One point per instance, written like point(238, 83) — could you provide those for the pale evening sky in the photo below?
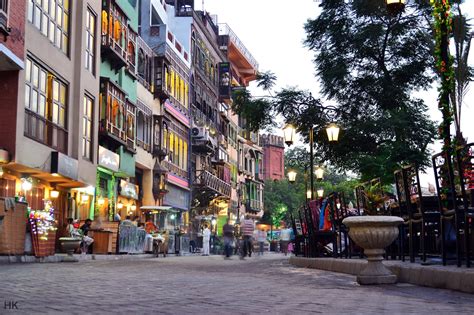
point(273, 32)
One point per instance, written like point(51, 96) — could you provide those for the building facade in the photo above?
point(273, 157)
point(53, 122)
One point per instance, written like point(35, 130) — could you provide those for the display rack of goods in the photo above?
point(43, 230)
point(12, 226)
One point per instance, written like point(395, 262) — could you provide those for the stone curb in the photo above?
point(57, 258)
point(441, 277)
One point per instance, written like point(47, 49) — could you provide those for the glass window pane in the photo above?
point(34, 100)
point(65, 22)
point(89, 110)
point(57, 40)
point(62, 94)
point(66, 4)
point(84, 126)
point(28, 70)
point(86, 61)
point(53, 9)
point(27, 96)
point(55, 113)
point(42, 81)
point(65, 43)
point(45, 5)
point(88, 129)
point(55, 90)
point(51, 31)
point(91, 62)
point(44, 25)
point(30, 10)
point(62, 117)
point(42, 105)
point(35, 75)
point(38, 17)
point(92, 23)
point(59, 16)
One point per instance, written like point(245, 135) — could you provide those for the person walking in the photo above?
point(247, 233)
point(206, 239)
point(261, 238)
point(285, 236)
point(228, 231)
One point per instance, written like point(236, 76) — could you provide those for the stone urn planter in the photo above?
point(70, 245)
point(374, 234)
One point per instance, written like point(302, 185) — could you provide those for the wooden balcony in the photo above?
point(253, 205)
point(175, 169)
point(207, 181)
point(46, 132)
point(112, 49)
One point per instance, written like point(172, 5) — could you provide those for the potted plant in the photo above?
point(374, 233)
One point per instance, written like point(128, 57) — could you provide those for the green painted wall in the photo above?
point(130, 7)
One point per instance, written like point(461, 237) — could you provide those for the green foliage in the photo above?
point(369, 63)
point(281, 195)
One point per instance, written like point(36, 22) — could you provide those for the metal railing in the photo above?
point(224, 29)
point(207, 179)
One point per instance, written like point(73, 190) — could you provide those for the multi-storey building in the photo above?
point(273, 157)
point(116, 185)
point(50, 119)
point(241, 69)
point(165, 26)
point(210, 159)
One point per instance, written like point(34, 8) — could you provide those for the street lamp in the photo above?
point(289, 133)
point(119, 205)
point(291, 176)
point(332, 131)
point(395, 6)
point(308, 194)
point(320, 192)
point(319, 172)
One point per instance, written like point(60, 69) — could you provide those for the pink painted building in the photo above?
point(273, 157)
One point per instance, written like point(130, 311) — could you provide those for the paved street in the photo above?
point(199, 285)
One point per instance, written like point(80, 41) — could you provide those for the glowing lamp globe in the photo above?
point(332, 131)
point(320, 192)
point(319, 172)
point(54, 194)
point(119, 205)
point(292, 176)
point(308, 194)
point(289, 133)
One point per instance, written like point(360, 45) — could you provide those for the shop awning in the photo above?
point(162, 208)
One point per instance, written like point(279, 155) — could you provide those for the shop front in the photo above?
point(43, 200)
point(177, 217)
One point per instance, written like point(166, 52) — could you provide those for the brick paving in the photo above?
point(210, 285)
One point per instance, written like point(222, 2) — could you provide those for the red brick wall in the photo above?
point(16, 21)
point(273, 163)
point(8, 109)
point(9, 79)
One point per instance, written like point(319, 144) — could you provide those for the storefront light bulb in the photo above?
point(133, 207)
point(85, 198)
point(213, 221)
point(173, 216)
point(100, 201)
point(119, 205)
point(1, 171)
point(26, 185)
point(54, 194)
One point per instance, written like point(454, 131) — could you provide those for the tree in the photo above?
point(463, 73)
point(369, 63)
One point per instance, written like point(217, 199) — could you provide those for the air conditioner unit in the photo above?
point(199, 132)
